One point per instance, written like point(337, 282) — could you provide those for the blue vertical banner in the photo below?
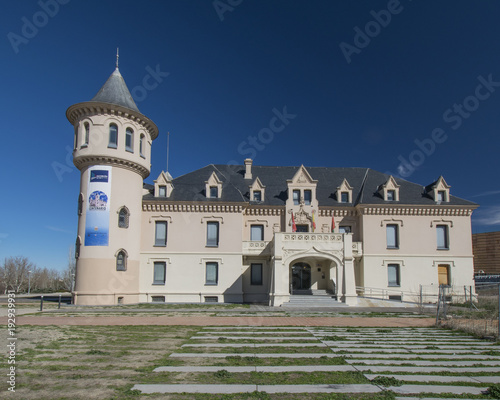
point(99, 195)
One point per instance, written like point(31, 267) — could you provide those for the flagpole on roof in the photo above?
point(168, 146)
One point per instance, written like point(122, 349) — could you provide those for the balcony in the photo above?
point(257, 248)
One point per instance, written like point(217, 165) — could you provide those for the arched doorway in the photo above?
point(301, 276)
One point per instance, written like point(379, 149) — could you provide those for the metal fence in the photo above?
point(477, 313)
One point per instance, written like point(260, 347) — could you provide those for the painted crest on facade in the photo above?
point(98, 201)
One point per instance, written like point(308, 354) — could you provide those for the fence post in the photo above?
point(421, 299)
point(470, 297)
point(438, 303)
point(41, 303)
point(59, 305)
point(465, 294)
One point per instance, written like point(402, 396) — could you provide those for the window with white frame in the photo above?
point(212, 234)
point(257, 232)
point(394, 277)
point(159, 272)
point(129, 140)
point(392, 236)
point(211, 273)
point(161, 233)
point(442, 237)
point(113, 136)
point(256, 274)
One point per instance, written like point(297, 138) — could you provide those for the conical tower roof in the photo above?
point(115, 91)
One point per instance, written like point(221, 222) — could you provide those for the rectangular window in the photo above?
point(160, 233)
point(296, 197)
point(392, 236)
point(344, 197)
point(441, 195)
point(393, 274)
point(87, 134)
point(442, 237)
point(162, 191)
point(212, 273)
point(307, 197)
point(257, 232)
point(391, 195)
point(256, 274)
point(257, 195)
point(302, 228)
point(212, 234)
point(214, 192)
point(345, 229)
point(160, 269)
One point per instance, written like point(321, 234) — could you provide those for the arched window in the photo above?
point(121, 260)
point(87, 133)
point(76, 138)
point(113, 136)
point(80, 204)
point(123, 215)
point(141, 145)
point(129, 140)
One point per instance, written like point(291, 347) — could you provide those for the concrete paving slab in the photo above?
point(263, 328)
point(424, 370)
point(267, 332)
point(254, 337)
point(430, 362)
point(258, 355)
point(180, 388)
point(426, 378)
point(319, 388)
point(410, 389)
point(407, 351)
point(273, 369)
point(488, 379)
point(424, 356)
point(407, 345)
point(254, 345)
point(430, 398)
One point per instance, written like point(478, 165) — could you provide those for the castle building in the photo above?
point(248, 233)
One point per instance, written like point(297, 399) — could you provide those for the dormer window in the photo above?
point(113, 136)
point(307, 197)
point(344, 197)
point(213, 187)
point(439, 190)
point(389, 190)
point(441, 195)
point(162, 191)
point(344, 192)
point(391, 195)
point(257, 195)
point(214, 192)
point(257, 190)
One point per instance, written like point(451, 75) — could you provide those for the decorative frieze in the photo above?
point(418, 211)
point(193, 208)
point(264, 211)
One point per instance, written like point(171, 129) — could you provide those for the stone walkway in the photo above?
point(418, 360)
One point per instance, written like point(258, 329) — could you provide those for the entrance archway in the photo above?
point(301, 276)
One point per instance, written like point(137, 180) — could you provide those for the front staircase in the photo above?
point(312, 299)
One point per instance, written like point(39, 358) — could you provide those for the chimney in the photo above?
point(248, 168)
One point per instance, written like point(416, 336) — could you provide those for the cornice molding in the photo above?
point(85, 161)
point(418, 211)
point(179, 207)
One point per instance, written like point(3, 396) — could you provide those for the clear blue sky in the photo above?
point(430, 72)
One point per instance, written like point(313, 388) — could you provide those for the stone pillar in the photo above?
point(349, 283)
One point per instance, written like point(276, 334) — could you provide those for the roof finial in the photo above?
point(117, 56)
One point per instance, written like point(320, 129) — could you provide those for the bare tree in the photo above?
point(15, 273)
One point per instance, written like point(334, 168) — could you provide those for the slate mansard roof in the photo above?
point(365, 182)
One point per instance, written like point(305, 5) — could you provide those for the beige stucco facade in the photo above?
point(258, 236)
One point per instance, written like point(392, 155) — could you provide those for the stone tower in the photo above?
point(112, 150)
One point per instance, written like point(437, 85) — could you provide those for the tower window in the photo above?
point(129, 140)
point(80, 204)
point(123, 217)
point(121, 261)
point(141, 145)
point(76, 139)
point(113, 136)
point(87, 133)
point(78, 245)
